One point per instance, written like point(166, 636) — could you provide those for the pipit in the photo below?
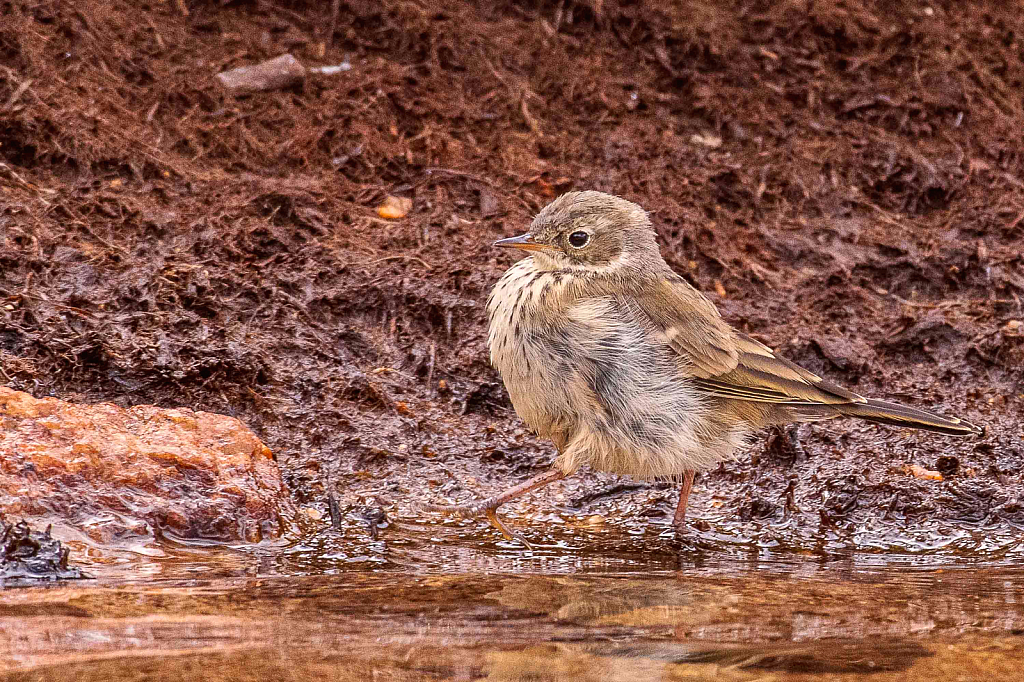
point(627, 368)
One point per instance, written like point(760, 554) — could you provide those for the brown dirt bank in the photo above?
point(846, 181)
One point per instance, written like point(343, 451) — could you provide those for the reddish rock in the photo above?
point(113, 472)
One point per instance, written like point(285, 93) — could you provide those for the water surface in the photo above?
point(450, 602)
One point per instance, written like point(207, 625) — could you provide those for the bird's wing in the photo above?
point(727, 363)
point(688, 322)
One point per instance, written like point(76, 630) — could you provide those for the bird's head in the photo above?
point(592, 232)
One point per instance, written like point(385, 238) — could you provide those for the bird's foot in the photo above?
point(471, 510)
point(489, 506)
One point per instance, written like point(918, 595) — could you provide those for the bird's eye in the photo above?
point(579, 239)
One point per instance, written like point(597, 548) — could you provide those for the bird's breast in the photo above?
point(523, 307)
point(516, 309)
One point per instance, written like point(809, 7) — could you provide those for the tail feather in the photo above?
point(883, 412)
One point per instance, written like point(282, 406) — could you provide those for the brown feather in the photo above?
point(884, 412)
point(691, 325)
point(727, 363)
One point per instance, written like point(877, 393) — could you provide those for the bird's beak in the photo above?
point(524, 242)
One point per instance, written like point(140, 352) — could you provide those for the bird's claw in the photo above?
point(473, 510)
point(492, 516)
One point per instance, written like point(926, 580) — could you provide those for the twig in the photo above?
point(78, 311)
point(295, 16)
point(25, 183)
point(335, 510)
point(461, 174)
point(1016, 221)
point(559, 15)
point(430, 370)
point(531, 122)
point(113, 247)
point(16, 95)
point(883, 213)
point(333, 23)
point(913, 304)
point(950, 303)
point(156, 34)
point(424, 263)
point(610, 491)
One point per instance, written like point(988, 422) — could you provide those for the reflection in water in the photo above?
point(734, 625)
point(656, 661)
point(581, 600)
point(833, 656)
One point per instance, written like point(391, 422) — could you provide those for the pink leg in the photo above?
point(684, 495)
point(489, 506)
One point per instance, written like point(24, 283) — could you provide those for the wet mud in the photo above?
point(843, 180)
point(28, 554)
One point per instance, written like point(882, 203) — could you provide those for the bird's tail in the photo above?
point(883, 412)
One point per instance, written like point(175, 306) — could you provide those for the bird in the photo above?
point(627, 368)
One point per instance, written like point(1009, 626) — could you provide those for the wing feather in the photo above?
point(727, 363)
point(688, 322)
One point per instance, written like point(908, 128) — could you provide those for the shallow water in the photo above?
point(451, 602)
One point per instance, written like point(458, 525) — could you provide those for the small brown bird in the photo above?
point(627, 368)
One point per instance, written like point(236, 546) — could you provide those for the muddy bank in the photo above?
point(845, 182)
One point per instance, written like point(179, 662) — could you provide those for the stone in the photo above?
point(273, 74)
point(113, 473)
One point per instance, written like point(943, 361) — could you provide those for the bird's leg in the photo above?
point(684, 495)
point(490, 505)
